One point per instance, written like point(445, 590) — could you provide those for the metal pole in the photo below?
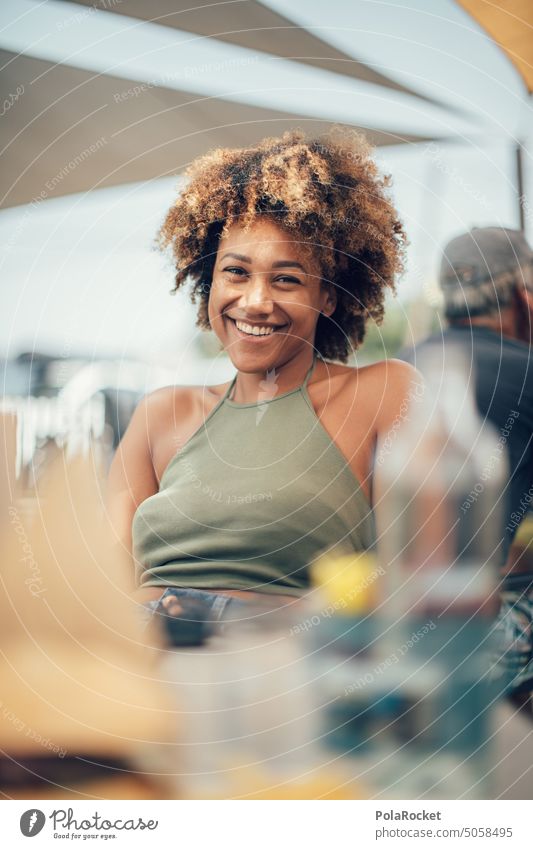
point(520, 185)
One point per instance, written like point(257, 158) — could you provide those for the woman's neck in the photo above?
point(252, 387)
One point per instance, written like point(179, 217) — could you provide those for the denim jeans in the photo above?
point(216, 603)
point(514, 633)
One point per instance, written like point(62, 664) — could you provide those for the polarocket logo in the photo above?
point(32, 822)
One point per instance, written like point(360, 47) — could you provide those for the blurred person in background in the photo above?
point(229, 492)
point(486, 278)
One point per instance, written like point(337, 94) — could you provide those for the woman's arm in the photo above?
point(402, 387)
point(161, 423)
point(131, 478)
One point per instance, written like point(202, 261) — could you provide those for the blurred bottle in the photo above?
point(439, 510)
point(373, 703)
point(399, 637)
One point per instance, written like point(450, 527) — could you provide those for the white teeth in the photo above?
point(254, 330)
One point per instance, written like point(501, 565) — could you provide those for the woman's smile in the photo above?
point(254, 331)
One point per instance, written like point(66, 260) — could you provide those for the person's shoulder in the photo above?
point(167, 396)
point(503, 359)
point(389, 375)
point(518, 350)
point(177, 403)
point(157, 405)
point(391, 369)
point(390, 387)
point(156, 409)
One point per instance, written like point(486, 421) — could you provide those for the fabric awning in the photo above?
point(75, 131)
point(510, 24)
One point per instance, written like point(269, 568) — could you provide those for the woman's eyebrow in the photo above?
point(280, 263)
point(287, 263)
point(240, 257)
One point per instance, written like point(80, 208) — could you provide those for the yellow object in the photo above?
point(349, 582)
point(524, 534)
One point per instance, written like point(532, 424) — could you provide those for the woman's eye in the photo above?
point(287, 279)
point(235, 271)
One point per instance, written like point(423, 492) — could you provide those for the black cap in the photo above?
point(480, 269)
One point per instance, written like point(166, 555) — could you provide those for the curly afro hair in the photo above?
point(326, 192)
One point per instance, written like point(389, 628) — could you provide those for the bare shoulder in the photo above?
point(390, 375)
point(170, 395)
point(393, 374)
point(388, 388)
point(166, 398)
point(396, 385)
point(175, 403)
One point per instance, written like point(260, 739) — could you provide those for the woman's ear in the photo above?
point(330, 302)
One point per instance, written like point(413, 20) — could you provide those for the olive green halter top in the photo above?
point(254, 496)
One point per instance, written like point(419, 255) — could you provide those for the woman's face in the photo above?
point(266, 297)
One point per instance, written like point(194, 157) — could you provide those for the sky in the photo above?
point(80, 273)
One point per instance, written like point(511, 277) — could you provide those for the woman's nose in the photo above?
point(258, 295)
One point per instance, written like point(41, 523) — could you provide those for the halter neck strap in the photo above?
point(307, 378)
point(302, 387)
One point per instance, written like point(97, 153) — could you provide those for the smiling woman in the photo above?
point(234, 490)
